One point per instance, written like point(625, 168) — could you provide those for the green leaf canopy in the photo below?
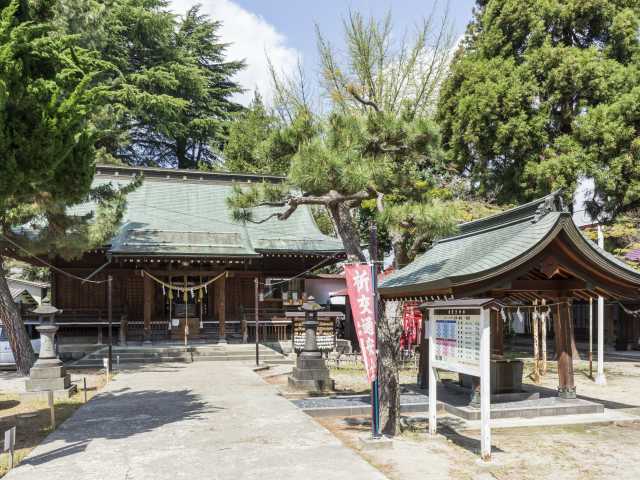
point(544, 92)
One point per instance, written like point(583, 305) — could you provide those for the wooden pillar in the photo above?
point(563, 330)
point(211, 302)
point(221, 299)
point(535, 324)
point(544, 313)
point(497, 333)
point(148, 292)
point(423, 367)
point(572, 336)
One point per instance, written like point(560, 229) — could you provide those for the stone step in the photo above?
point(269, 353)
point(94, 363)
point(195, 353)
point(124, 355)
point(280, 361)
point(223, 358)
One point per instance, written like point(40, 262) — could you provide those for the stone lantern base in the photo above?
point(311, 374)
point(48, 373)
point(45, 376)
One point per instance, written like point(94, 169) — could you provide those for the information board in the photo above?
point(457, 339)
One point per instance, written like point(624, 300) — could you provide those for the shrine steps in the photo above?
point(137, 355)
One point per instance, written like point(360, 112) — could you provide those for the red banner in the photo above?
point(359, 288)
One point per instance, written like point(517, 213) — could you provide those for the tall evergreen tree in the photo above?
point(50, 89)
point(544, 92)
point(173, 104)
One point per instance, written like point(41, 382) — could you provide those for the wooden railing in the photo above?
point(273, 325)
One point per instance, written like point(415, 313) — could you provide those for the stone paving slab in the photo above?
point(186, 421)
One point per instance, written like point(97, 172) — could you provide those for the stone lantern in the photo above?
point(48, 373)
point(310, 372)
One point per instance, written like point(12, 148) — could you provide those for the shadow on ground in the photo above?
point(121, 414)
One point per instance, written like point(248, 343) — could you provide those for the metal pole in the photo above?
point(110, 317)
point(600, 378)
point(375, 386)
point(257, 322)
point(591, 338)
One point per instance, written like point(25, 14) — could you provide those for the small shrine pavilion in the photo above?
point(522, 256)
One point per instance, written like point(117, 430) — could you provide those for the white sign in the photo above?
point(10, 444)
point(460, 341)
point(9, 439)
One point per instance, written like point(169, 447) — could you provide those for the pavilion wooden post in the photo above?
point(562, 323)
point(148, 291)
point(536, 342)
point(497, 329)
point(423, 368)
point(543, 338)
point(221, 295)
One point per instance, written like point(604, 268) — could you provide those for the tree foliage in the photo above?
point(259, 142)
point(173, 101)
point(50, 89)
point(542, 93)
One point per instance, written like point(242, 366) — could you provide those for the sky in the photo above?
point(285, 29)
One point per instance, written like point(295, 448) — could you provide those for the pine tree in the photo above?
point(544, 92)
point(49, 90)
point(377, 151)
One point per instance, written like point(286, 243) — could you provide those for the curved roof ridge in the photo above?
point(184, 174)
point(520, 213)
point(494, 252)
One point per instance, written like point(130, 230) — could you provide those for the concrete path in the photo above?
point(191, 421)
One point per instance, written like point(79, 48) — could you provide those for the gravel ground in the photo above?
point(584, 452)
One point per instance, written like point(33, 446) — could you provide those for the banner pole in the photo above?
point(375, 386)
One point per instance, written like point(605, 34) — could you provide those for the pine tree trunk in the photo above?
point(389, 333)
point(346, 230)
point(14, 328)
point(401, 257)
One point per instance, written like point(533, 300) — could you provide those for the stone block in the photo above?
point(40, 384)
point(304, 363)
point(47, 372)
point(314, 385)
point(41, 396)
point(367, 442)
point(307, 374)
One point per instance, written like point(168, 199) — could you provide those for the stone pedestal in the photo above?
point(48, 373)
point(311, 373)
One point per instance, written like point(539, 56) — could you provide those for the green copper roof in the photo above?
point(493, 246)
point(184, 213)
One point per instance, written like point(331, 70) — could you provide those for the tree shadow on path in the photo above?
point(121, 414)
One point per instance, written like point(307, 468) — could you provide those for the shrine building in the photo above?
point(521, 257)
point(178, 231)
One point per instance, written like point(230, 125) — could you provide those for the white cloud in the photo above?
point(252, 38)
